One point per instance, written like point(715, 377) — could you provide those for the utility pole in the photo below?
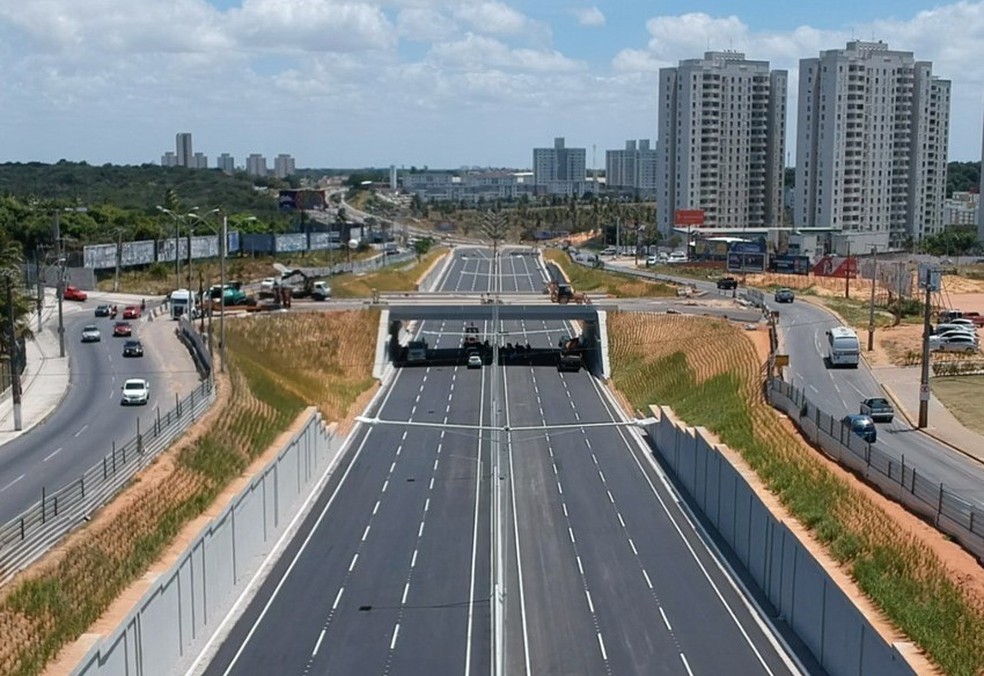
point(61, 284)
point(847, 272)
point(871, 306)
point(15, 384)
point(223, 244)
point(119, 260)
point(930, 279)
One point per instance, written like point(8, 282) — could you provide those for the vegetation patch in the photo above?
point(598, 281)
point(399, 277)
point(962, 397)
point(278, 365)
point(708, 373)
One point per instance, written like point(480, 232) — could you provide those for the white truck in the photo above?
point(320, 291)
point(182, 301)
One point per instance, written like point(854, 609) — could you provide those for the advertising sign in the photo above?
point(746, 262)
point(836, 266)
point(790, 265)
point(688, 217)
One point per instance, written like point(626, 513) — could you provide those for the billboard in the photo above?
point(836, 266)
point(302, 199)
point(688, 217)
point(746, 262)
point(790, 265)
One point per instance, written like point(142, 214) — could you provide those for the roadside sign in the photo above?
point(929, 277)
point(924, 392)
point(782, 360)
point(688, 217)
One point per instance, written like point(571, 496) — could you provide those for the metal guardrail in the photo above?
point(25, 538)
point(896, 478)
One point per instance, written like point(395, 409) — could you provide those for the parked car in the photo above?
point(90, 334)
point(975, 317)
point(74, 293)
point(131, 312)
point(677, 257)
point(956, 343)
point(653, 260)
point(784, 295)
point(878, 409)
point(102, 310)
point(609, 251)
point(862, 425)
point(952, 333)
point(727, 283)
point(122, 329)
point(135, 391)
point(133, 348)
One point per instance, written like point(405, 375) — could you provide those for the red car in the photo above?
point(74, 293)
point(131, 312)
point(122, 329)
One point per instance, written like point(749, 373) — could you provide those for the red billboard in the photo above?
point(836, 266)
point(689, 217)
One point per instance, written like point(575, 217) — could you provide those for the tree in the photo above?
point(422, 246)
point(11, 260)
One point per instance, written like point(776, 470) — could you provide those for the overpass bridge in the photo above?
point(400, 310)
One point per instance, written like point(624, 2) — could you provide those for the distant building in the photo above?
point(633, 169)
point(199, 161)
point(169, 159)
point(980, 212)
point(226, 163)
point(184, 152)
point(559, 170)
point(470, 187)
point(721, 146)
point(871, 147)
point(256, 165)
point(283, 165)
point(961, 209)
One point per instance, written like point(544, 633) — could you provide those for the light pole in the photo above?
point(177, 235)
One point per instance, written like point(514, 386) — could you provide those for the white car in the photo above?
point(957, 343)
point(652, 260)
point(268, 283)
point(474, 361)
point(677, 257)
point(135, 391)
point(947, 335)
point(90, 334)
point(608, 251)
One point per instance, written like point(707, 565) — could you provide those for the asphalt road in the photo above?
point(392, 571)
point(82, 430)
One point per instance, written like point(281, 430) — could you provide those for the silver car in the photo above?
point(136, 391)
point(90, 334)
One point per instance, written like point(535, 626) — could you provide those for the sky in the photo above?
point(440, 84)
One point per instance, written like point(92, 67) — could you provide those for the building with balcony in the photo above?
point(632, 170)
point(283, 165)
point(560, 170)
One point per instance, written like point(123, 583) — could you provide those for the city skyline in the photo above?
point(438, 84)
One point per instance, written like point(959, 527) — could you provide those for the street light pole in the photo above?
point(223, 244)
point(61, 284)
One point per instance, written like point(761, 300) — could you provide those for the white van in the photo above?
point(843, 347)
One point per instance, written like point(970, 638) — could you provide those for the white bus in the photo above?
point(843, 347)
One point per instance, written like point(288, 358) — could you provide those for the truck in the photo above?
point(417, 350)
point(564, 293)
point(975, 317)
point(320, 291)
point(233, 294)
point(182, 302)
point(472, 337)
point(570, 355)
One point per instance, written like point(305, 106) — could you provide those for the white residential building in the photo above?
point(721, 145)
point(961, 209)
point(633, 169)
point(182, 142)
point(199, 161)
point(871, 147)
point(470, 187)
point(226, 163)
point(169, 159)
point(256, 165)
point(283, 165)
point(560, 170)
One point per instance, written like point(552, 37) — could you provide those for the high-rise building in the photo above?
point(559, 170)
point(871, 146)
point(633, 169)
point(722, 129)
point(256, 165)
point(169, 159)
point(184, 153)
point(980, 212)
point(226, 163)
point(199, 161)
point(283, 165)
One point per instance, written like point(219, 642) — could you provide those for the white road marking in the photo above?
point(354, 559)
point(11, 483)
point(375, 508)
point(685, 664)
point(338, 597)
point(666, 621)
point(317, 645)
point(601, 644)
point(648, 581)
point(365, 533)
point(406, 590)
point(420, 531)
point(52, 454)
point(385, 486)
point(634, 550)
point(427, 504)
point(413, 560)
point(396, 632)
point(83, 429)
point(590, 604)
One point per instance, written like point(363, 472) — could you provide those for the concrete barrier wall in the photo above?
point(185, 603)
point(807, 599)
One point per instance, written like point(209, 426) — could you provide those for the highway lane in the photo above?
point(82, 430)
point(840, 391)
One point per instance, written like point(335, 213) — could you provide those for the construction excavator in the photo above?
point(565, 293)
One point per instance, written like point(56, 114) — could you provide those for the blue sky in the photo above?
point(436, 83)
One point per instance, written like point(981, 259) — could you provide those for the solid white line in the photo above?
point(601, 644)
point(52, 454)
point(338, 597)
point(396, 632)
point(686, 666)
point(317, 645)
point(11, 483)
point(666, 621)
point(354, 559)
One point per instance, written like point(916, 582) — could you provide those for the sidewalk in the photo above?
point(45, 378)
point(902, 386)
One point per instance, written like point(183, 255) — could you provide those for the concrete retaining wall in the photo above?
point(184, 604)
point(832, 627)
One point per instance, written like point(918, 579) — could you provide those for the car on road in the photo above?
point(122, 329)
point(90, 334)
point(652, 260)
point(784, 295)
point(861, 425)
point(474, 361)
point(74, 293)
point(609, 251)
point(677, 257)
point(102, 310)
point(878, 409)
point(133, 348)
point(955, 343)
point(136, 391)
point(727, 283)
point(131, 312)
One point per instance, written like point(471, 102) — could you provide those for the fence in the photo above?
point(28, 536)
point(894, 477)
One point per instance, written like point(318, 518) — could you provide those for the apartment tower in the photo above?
point(722, 129)
point(632, 170)
point(560, 170)
point(871, 147)
point(182, 142)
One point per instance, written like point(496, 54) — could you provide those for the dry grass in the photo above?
point(962, 397)
point(604, 282)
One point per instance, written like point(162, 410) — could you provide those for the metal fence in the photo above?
point(28, 536)
point(897, 478)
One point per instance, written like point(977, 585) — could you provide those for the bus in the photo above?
point(843, 347)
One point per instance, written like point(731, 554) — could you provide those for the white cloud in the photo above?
point(312, 25)
point(589, 16)
point(479, 52)
point(422, 24)
point(494, 18)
